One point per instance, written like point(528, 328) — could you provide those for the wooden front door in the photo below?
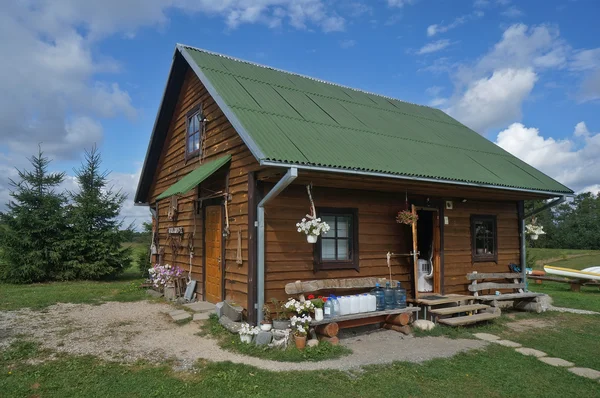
point(213, 223)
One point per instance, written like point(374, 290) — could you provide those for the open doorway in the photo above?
point(426, 251)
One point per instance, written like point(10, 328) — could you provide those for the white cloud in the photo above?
point(590, 87)
point(347, 43)
point(495, 101)
point(574, 162)
point(512, 12)
point(583, 60)
point(434, 29)
point(400, 3)
point(587, 63)
point(434, 46)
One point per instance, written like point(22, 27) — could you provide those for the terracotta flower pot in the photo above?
point(300, 342)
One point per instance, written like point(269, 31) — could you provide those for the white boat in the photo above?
point(591, 273)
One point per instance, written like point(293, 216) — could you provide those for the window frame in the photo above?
point(478, 258)
point(353, 263)
point(189, 115)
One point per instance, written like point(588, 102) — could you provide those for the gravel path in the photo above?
point(126, 332)
point(572, 310)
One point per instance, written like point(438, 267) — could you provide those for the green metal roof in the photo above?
point(293, 119)
point(195, 177)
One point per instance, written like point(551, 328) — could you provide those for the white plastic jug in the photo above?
point(372, 302)
point(344, 305)
point(363, 303)
point(354, 304)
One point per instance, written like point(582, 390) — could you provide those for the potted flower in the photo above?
point(163, 278)
point(281, 321)
point(313, 228)
point(318, 303)
point(406, 217)
point(246, 332)
point(535, 231)
point(266, 324)
point(300, 325)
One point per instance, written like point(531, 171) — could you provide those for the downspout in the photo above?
point(260, 252)
point(522, 217)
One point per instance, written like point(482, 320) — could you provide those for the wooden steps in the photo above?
point(458, 309)
point(469, 319)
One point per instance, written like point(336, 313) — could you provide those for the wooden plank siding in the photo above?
point(221, 139)
point(289, 257)
point(458, 260)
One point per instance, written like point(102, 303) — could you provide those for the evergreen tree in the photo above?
point(95, 242)
point(34, 226)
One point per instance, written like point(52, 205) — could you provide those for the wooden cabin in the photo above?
point(236, 144)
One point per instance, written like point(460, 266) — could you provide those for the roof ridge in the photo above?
point(300, 75)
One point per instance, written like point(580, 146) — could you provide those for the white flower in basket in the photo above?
point(246, 332)
point(535, 231)
point(313, 228)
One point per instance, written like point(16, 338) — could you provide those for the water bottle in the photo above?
point(379, 297)
point(336, 306)
point(354, 304)
point(400, 295)
point(328, 308)
point(390, 300)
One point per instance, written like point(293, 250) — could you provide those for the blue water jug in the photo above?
point(379, 297)
point(335, 304)
point(390, 297)
point(400, 296)
point(328, 308)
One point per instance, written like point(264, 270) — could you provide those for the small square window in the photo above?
point(338, 249)
point(484, 238)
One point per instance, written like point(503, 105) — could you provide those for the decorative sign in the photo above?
point(175, 231)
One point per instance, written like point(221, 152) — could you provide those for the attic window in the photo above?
point(193, 137)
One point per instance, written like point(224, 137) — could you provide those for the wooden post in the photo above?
point(399, 319)
point(402, 329)
point(328, 330)
point(331, 340)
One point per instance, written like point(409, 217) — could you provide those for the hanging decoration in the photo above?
point(172, 210)
point(533, 230)
point(406, 216)
point(311, 225)
point(238, 254)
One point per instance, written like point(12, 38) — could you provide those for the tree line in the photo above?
point(50, 235)
point(574, 224)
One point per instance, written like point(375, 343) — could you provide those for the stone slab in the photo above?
point(263, 338)
point(586, 372)
point(231, 311)
point(154, 293)
point(181, 317)
point(312, 343)
point(200, 306)
point(507, 343)
point(177, 312)
point(486, 336)
point(556, 362)
point(531, 352)
point(201, 316)
point(219, 309)
point(423, 324)
point(233, 327)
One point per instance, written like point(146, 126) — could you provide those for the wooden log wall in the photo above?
point(221, 139)
point(458, 260)
point(289, 257)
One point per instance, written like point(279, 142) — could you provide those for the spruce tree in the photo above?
point(34, 226)
point(95, 243)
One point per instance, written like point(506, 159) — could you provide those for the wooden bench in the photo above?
point(327, 329)
point(517, 297)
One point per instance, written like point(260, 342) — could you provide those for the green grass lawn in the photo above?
point(39, 295)
point(495, 372)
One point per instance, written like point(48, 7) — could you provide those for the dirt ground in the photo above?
point(127, 332)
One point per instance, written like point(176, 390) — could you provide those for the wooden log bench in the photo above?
point(517, 297)
point(328, 328)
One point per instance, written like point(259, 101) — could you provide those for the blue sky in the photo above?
point(526, 74)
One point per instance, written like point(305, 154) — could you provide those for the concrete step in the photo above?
point(469, 319)
point(200, 306)
point(458, 309)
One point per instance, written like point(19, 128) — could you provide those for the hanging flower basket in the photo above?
point(534, 231)
point(406, 217)
point(312, 228)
